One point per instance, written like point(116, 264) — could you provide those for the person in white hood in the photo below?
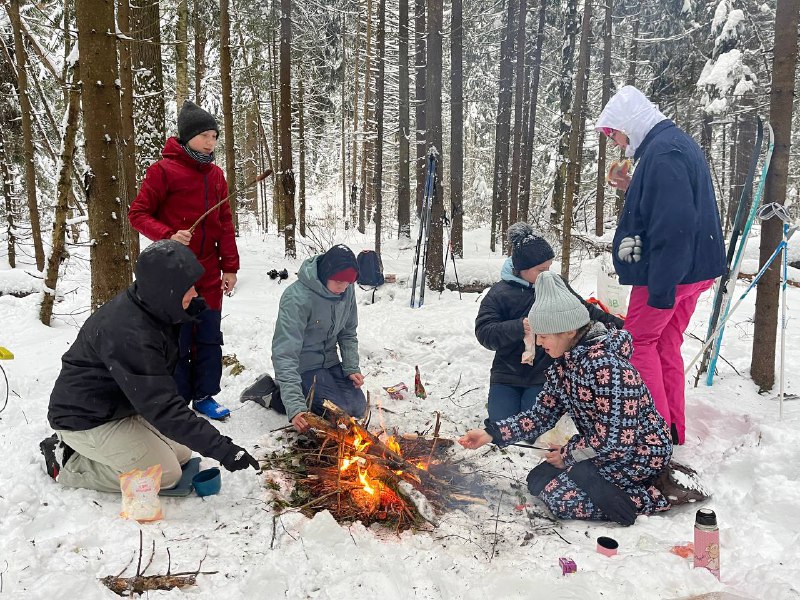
point(668, 244)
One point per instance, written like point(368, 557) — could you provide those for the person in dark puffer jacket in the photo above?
point(500, 324)
point(608, 470)
point(668, 243)
point(115, 405)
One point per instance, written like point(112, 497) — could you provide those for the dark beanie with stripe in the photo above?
point(339, 263)
point(193, 120)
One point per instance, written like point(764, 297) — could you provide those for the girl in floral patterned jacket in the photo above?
point(607, 471)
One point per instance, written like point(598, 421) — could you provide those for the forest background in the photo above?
point(343, 100)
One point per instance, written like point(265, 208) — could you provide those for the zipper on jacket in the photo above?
point(205, 202)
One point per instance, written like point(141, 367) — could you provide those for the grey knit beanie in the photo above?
point(528, 248)
point(556, 309)
point(193, 120)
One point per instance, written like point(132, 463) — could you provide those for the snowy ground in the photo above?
point(56, 542)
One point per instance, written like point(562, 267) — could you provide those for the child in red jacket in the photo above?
point(176, 190)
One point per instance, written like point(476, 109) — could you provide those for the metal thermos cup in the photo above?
point(706, 541)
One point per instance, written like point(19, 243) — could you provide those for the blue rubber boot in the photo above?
point(211, 408)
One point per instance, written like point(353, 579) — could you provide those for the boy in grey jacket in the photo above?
point(317, 320)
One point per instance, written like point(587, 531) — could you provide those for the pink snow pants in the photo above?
point(657, 338)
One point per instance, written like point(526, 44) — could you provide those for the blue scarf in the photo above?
point(198, 156)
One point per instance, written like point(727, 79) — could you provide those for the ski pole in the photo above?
point(227, 198)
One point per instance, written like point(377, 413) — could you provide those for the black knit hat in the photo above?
point(193, 120)
point(528, 248)
point(339, 260)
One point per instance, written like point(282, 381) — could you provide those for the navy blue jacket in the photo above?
point(498, 327)
point(670, 203)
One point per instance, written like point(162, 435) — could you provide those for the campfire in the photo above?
point(403, 481)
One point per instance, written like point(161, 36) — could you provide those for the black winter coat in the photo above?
point(122, 361)
point(498, 327)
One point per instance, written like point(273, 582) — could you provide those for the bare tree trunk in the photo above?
point(366, 146)
point(63, 188)
point(27, 131)
point(433, 116)
point(419, 100)
point(127, 135)
point(456, 130)
point(111, 267)
point(502, 130)
point(286, 176)
point(8, 196)
point(630, 80)
point(784, 65)
point(200, 40)
point(516, 154)
point(148, 82)
point(250, 158)
point(227, 104)
point(380, 88)
point(600, 190)
point(356, 135)
point(182, 54)
point(565, 95)
point(574, 163)
point(274, 95)
point(527, 165)
point(743, 152)
point(343, 121)
point(301, 123)
point(403, 181)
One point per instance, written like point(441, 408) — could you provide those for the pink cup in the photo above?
point(607, 546)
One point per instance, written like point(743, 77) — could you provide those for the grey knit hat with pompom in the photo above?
point(528, 248)
point(556, 309)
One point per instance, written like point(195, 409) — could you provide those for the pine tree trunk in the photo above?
point(527, 165)
point(633, 57)
point(574, 162)
point(600, 190)
point(226, 81)
point(182, 54)
point(566, 96)
point(286, 176)
point(127, 135)
point(148, 82)
point(8, 197)
point(301, 125)
point(784, 65)
point(419, 101)
point(502, 132)
point(27, 131)
point(519, 82)
point(403, 181)
point(63, 188)
point(111, 267)
point(200, 40)
point(743, 152)
point(343, 120)
point(274, 96)
point(433, 120)
point(380, 88)
point(356, 133)
point(457, 130)
point(366, 146)
point(250, 158)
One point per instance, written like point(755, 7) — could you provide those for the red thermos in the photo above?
point(706, 541)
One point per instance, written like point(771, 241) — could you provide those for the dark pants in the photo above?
point(333, 385)
point(508, 400)
point(199, 368)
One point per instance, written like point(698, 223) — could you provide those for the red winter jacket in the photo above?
point(176, 190)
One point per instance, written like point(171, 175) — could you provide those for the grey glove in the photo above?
point(630, 249)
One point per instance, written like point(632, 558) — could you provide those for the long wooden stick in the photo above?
point(233, 194)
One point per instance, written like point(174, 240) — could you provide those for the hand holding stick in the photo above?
point(261, 177)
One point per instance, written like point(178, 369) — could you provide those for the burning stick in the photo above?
point(227, 198)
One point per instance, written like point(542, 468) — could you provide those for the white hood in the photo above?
point(630, 112)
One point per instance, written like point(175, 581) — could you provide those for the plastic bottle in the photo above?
point(706, 541)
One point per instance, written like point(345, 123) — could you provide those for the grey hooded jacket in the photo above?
point(312, 322)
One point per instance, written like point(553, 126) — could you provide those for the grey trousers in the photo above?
point(103, 453)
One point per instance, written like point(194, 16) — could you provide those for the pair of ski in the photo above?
point(743, 221)
point(421, 252)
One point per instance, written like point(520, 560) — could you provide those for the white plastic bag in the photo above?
point(611, 293)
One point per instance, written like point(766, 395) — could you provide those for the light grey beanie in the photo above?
point(555, 309)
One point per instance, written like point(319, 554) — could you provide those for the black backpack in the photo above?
point(370, 268)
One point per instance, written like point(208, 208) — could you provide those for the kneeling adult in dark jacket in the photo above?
point(115, 405)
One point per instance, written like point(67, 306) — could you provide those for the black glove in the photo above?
point(237, 459)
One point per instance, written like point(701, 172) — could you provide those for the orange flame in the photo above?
point(392, 444)
point(365, 481)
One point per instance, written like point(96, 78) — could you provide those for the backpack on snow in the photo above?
point(370, 269)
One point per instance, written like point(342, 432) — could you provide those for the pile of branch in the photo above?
point(416, 477)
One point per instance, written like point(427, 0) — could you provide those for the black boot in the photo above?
point(56, 453)
point(610, 499)
point(540, 476)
